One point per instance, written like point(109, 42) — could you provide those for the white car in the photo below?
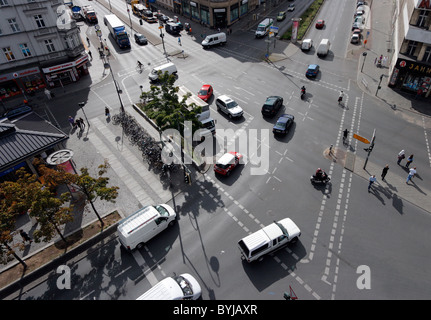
point(182, 287)
point(229, 106)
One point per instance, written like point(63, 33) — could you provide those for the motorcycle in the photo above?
point(325, 179)
point(303, 93)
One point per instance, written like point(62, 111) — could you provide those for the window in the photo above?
point(427, 55)
point(422, 18)
point(49, 45)
point(25, 50)
point(8, 54)
point(39, 21)
point(13, 25)
point(411, 48)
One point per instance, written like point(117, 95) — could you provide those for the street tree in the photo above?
point(163, 105)
point(96, 187)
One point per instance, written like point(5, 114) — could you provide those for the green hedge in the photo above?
point(307, 19)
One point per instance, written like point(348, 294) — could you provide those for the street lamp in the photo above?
point(363, 62)
point(379, 87)
point(107, 64)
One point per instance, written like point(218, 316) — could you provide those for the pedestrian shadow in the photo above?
point(397, 203)
point(416, 186)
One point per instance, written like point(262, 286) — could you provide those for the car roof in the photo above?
point(225, 98)
point(313, 66)
point(139, 35)
point(284, 118)
point(206, 86)
point(227, 158)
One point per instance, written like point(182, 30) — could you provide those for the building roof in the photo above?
point(24, 137)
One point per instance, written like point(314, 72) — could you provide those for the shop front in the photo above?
point(220, 17)
point(411, 76)
point(66, 73)
point(22, 82)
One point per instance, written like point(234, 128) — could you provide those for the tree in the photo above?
point(164, 107)
point(97, 188)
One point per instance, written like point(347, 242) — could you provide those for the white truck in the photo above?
point(118, 30)
point(263, 27)
point(208, 123)
point(89, 14)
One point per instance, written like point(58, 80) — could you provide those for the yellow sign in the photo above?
point(361, 138)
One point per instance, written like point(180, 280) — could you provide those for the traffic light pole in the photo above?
point(370, 148)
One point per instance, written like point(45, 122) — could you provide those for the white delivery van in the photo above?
point(144, 224)
point(168, 67)
point(182, 287)
point(263, 27)
point(323, 48)
point(214, 39)
point(268, 239)
point(306, 44)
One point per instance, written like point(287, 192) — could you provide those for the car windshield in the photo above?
point(260, 28)
point(163, 212)
point(203, 92)
point(231, 104)
point(280, 125)
point(184, 285)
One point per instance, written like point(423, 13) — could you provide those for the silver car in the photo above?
point(229, 106)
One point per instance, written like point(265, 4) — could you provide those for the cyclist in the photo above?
point(340, 97)
point(139, 64)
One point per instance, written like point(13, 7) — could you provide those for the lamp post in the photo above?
point(81, 105)
point(379, 87)
point(108, 65)
point(363, 62)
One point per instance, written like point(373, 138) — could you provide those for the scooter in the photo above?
point(303, 93)
point(315, 180)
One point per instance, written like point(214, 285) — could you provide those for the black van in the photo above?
point(173, 28)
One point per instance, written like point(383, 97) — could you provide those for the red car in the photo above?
point(320, 24)
point(205, 92)
point(227, 163)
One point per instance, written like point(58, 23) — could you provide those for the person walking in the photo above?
point(409, 160)
point(25, 236)
point(72, 122)
point(90, 54)
point(412, 173)
point(372, 180)
point(401, 156)
point(179, 41)
point(345, 134)
point(48, 93)
point(107, 114)
point(385, 172)
point(88, 41)
point(81, 124)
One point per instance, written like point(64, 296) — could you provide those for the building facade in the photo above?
point(213, 13)
point(410, 68)
point(40, 46)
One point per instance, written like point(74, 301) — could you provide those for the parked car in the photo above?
point(355, 38)
point(229, 106)
point(283, 124)
point(140, 38)
point(164, 18)
point(227, 163)
point(291, 7)
point(320, 24)
point(312, 70)
point(281, 16)
point(272, 105)
point(205, 92)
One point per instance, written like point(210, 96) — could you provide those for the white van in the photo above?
point(182, 287)
point(323, 48)
point(268, 239)
point(263, 27)
point(168, 67)
point(306, 44)
point(214, 39)
point(144, 224)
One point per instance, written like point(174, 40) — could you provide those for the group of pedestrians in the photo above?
point(77, 123)
point(401, 157)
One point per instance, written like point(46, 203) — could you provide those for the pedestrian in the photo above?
point(218, 29)
point(25, 236)
point(179, 41)
point(385, 171)
point(107, 112)
point(401, 156)
point(81, 124)
point(88, 41)
point(375, 61)
point(409, 160)
point(345, 134)
point(412, 173)
point(372, 180)
point(90, 54)
point(330, 149)
point(47, 93)
point(72, 122)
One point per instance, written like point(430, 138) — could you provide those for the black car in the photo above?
point(283, 124)
point(164, 18)
point(140, 39)
point(272, 105)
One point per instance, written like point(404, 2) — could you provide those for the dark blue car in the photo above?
point(312, 71)
point(283, 124)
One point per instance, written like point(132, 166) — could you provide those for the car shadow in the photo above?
point(288, 136)
point(234, 175)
